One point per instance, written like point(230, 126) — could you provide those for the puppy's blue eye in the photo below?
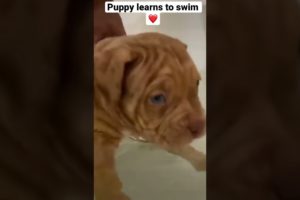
point(158, 99)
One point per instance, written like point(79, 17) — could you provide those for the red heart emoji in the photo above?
point(152, 18)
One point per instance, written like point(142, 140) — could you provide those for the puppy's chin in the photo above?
point(181, 138)
point(169, 137)
point(173, 138)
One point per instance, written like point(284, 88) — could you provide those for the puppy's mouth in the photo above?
point(198, 134)
point(179, 135)
point(185, 135)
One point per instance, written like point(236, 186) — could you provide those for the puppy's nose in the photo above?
point(196, 126)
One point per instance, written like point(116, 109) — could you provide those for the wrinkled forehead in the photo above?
point(171, 55)
point(184, 61)
point(177, 64)
point(157, 39)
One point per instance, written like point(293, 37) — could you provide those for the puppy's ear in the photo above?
point(112, 62)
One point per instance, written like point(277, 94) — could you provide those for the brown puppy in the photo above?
point(147, 85)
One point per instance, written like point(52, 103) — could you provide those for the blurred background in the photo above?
point(146, 171)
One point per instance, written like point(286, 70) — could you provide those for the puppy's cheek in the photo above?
point(173, 130)
point(181, 133)
point(177, 134)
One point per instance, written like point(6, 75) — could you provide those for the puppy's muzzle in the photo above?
point(196, 125)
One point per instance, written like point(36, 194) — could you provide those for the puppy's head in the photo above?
point(150, 81)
